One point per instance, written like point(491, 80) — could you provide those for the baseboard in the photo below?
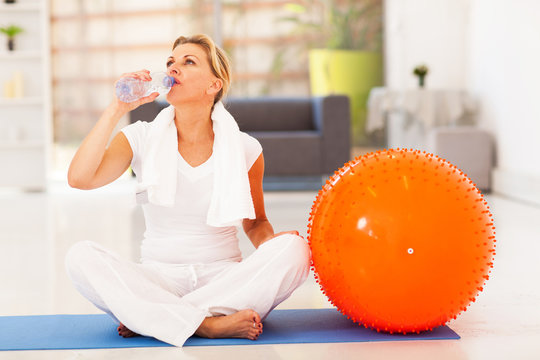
point(293, 183)
point(520, 186)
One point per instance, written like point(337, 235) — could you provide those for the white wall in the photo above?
point(492, 49)
point(504, 71)
point(433, 32)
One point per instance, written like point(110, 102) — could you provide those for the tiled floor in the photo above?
point(36, 230)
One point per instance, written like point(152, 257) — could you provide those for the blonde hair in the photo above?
point(219, 62)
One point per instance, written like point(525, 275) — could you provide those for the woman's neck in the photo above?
point(193, 123)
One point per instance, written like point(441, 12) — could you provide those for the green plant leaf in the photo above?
point(295, 8)
point(352, 24)
point(11, 30)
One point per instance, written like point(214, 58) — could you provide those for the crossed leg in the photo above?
point(230, 305)
point(242, 324)
point(258, 283)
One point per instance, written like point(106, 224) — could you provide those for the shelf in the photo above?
point(254, 41)
point(20, 55)
point(245, 76)
point(93, 112)
point(116, 14)
point(34, 100)
point(179, 10)
point(112, 48)
point(5, 8)
point(240, 76)
point(228, 41)
point(25, 144)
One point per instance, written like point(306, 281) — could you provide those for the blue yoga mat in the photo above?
point(45, 332)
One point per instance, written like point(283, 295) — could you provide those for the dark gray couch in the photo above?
point(301, 137)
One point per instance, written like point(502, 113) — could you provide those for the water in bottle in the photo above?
point(131, 89)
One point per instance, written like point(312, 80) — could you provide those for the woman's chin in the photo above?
point(171, 98)
point(177, 97)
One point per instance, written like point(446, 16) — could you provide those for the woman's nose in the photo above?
point(171, 71)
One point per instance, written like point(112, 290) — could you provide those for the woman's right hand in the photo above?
point(124, 107)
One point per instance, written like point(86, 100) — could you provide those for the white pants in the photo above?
point(169, 302)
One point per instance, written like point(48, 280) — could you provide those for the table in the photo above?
point(408, 115)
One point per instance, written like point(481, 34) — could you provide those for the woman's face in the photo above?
point(194, 80)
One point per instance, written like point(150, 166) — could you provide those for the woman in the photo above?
point(198, 177)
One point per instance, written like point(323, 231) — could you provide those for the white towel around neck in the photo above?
point(231, 194)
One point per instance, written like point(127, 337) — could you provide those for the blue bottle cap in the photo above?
point(168, 81)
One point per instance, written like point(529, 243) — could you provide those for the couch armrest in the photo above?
point(332, 117)
point(147, 112)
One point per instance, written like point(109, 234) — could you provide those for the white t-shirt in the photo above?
point(179, 234)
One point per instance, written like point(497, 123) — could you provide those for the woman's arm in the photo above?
point(94, 164)
point(259, 230)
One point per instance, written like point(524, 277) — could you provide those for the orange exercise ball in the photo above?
point(402, 241)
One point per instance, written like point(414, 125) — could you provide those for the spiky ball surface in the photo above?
point(402, 241)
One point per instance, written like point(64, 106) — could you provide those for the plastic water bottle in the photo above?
point(130, 89)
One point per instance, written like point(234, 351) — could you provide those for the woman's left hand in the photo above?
point(293, 232)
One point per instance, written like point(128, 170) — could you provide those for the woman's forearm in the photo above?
point(88, 157)
point(259, 232)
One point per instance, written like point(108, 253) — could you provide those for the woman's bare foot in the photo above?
point(125, 332)
point(243, 324)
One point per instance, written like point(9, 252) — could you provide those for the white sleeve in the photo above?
point(136, 135)
point(252, 149)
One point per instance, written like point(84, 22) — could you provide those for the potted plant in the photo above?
point(344, 40)
point(11, 31)
point(421, 71)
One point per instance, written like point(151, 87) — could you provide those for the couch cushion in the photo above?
point(272, 114)
point(290, 153)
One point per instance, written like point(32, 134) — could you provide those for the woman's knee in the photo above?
point(79, 254)
point(296, 252)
